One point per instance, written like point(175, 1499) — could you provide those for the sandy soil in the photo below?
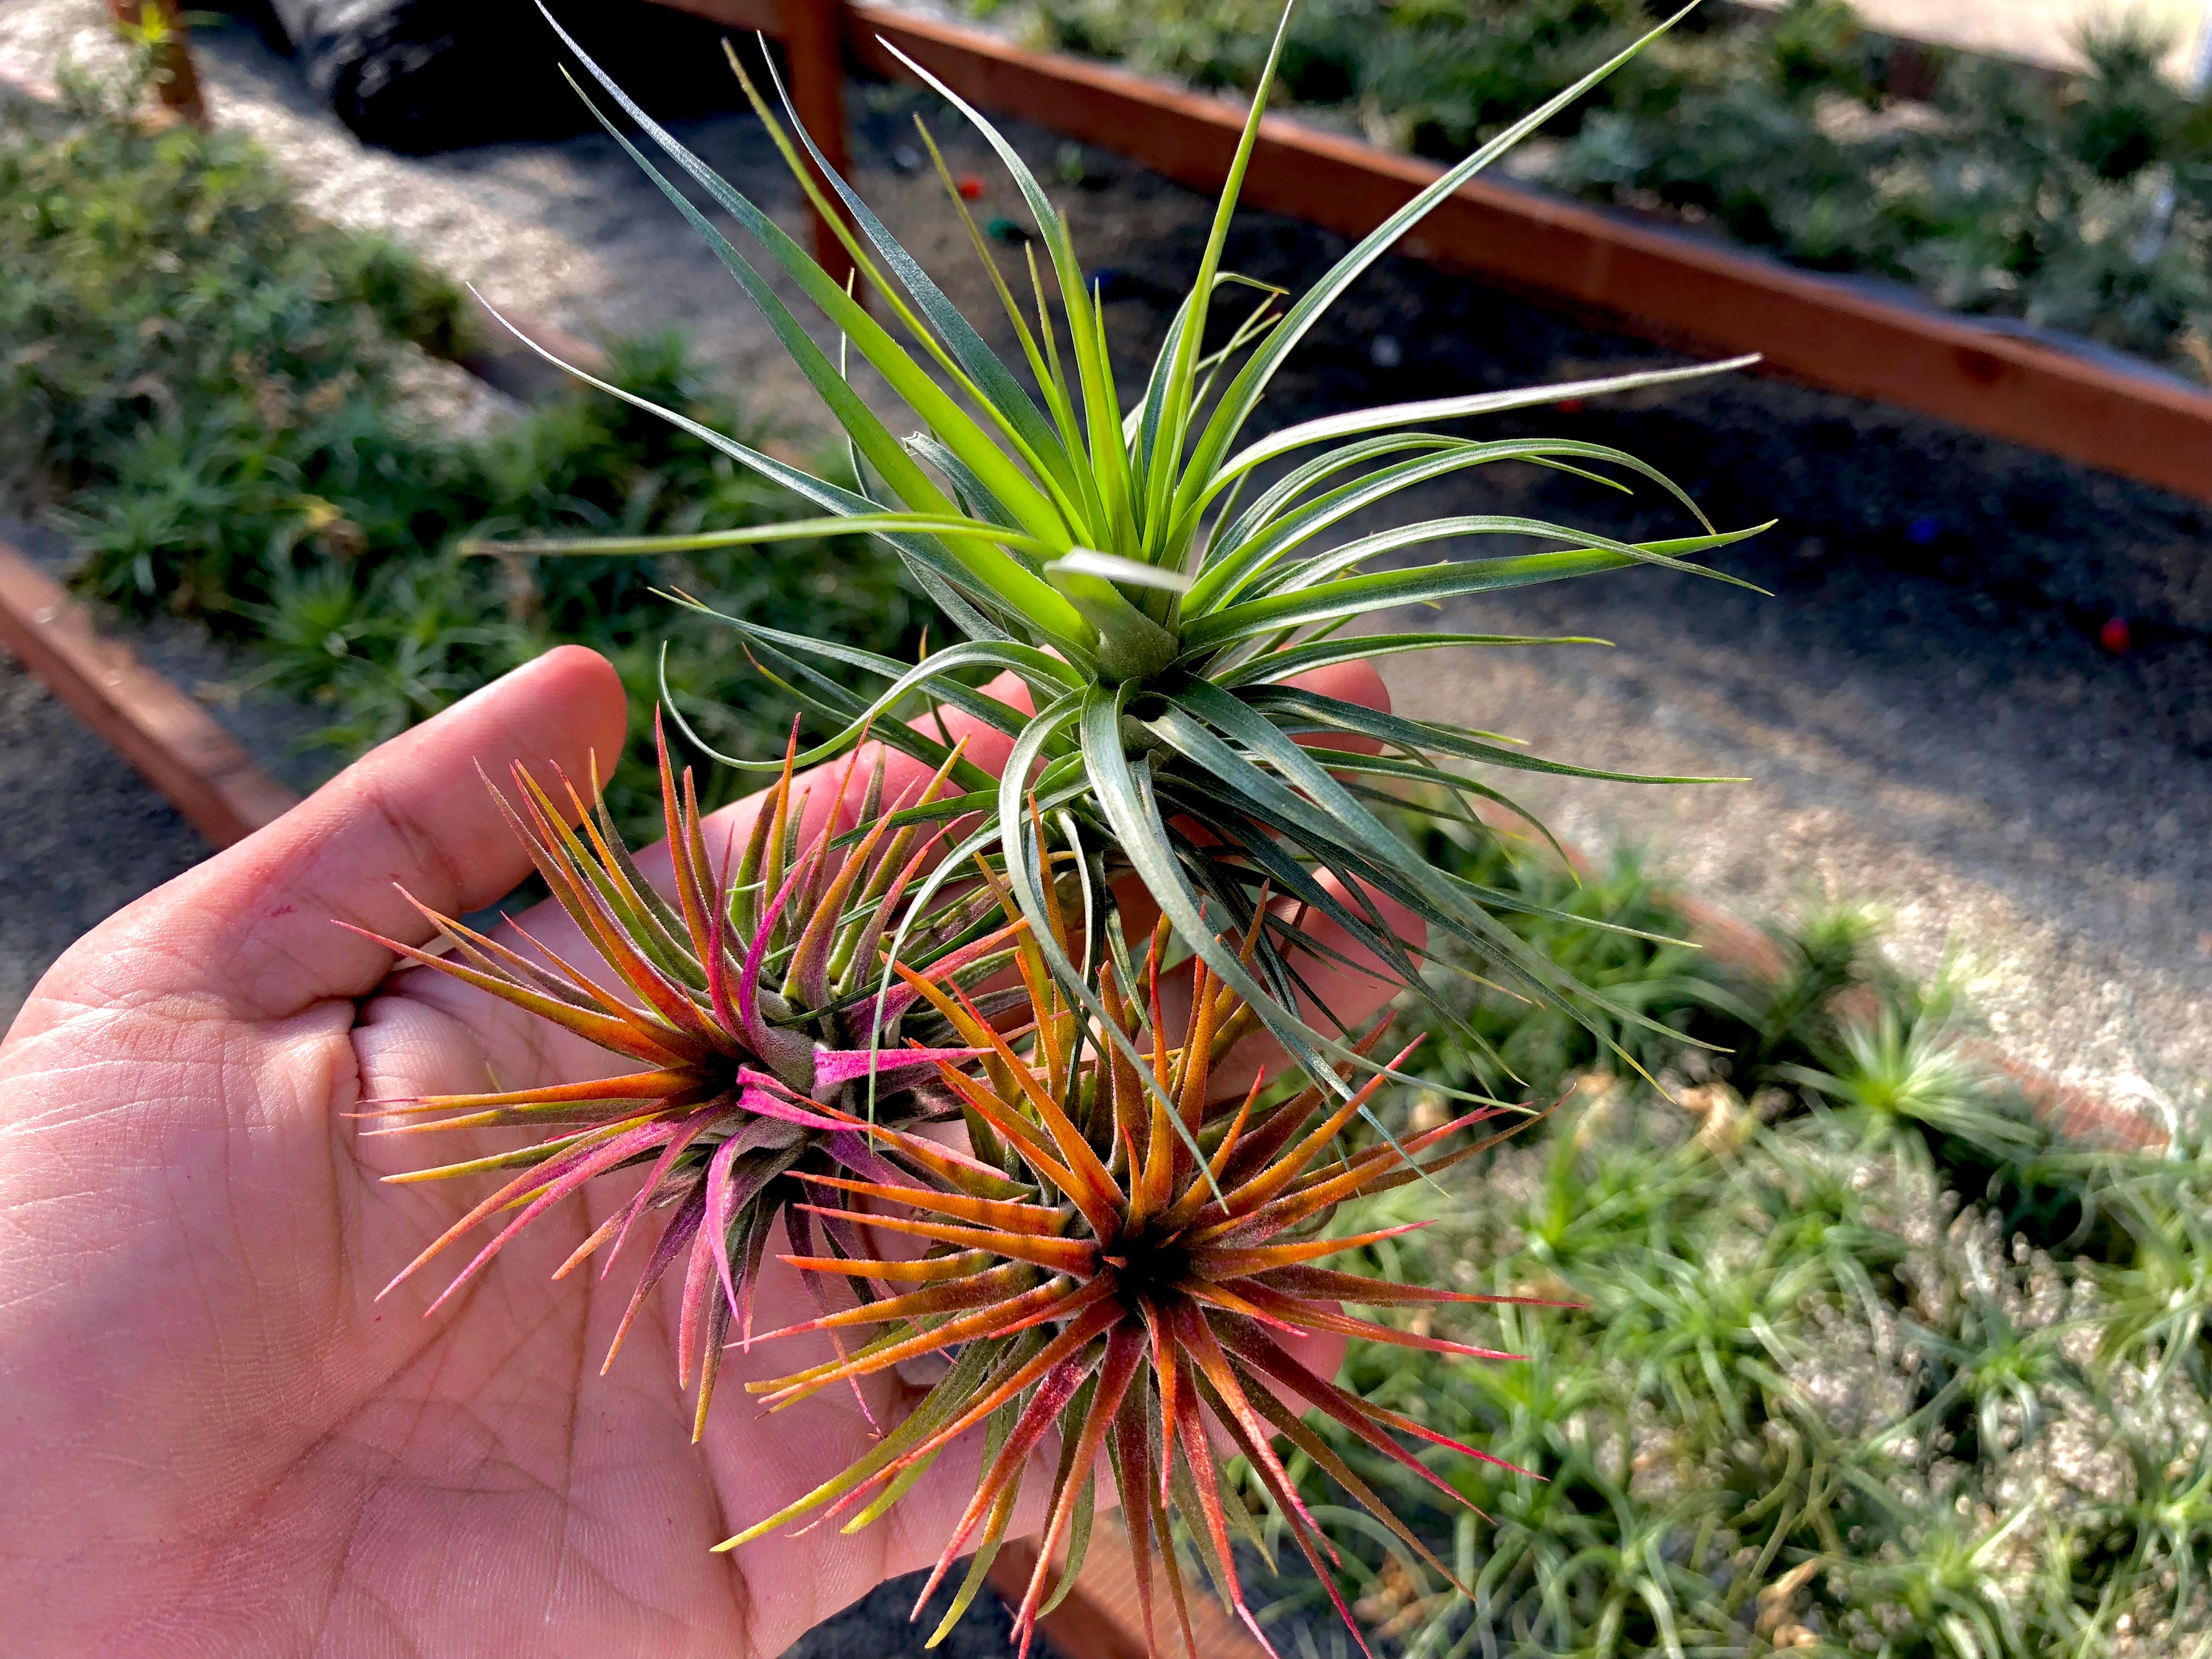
point(2041, 31)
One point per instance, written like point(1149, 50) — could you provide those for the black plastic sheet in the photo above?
point(419, 75)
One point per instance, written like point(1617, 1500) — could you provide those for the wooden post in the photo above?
point(814, 48)
point(177, 80)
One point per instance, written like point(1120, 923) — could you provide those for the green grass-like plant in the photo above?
point(1909, 1381)
point(217, 401)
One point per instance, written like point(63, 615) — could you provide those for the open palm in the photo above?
point(214, 1439)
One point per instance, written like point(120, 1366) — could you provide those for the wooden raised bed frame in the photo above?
point(1664, 285)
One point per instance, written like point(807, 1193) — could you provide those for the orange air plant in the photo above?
point(1124, 1275)
point(752, 1006)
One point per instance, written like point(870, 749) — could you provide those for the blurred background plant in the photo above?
point(2081, 203)
point(230, 410)
point(1871, 1362)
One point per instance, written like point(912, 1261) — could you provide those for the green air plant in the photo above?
point(1157, 581)
point(748, 1003)
point(1897, 1067)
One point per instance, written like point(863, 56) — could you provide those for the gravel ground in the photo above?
point(83, 833)
point(2041, 31)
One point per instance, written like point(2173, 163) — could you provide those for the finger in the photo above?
point(1345, 985)
point(1350, 682)
point(252, 926)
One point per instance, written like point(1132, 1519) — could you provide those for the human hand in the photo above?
point(217, 1439)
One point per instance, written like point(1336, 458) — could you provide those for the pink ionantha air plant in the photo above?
point(1131, 1275)
point(752, 1008)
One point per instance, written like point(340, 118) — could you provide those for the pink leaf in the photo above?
point(835, 1068)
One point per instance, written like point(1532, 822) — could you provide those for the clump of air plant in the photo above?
point(1158, 581)
point(750, 1004)
point(1127, 1274)
point(1118, 1260)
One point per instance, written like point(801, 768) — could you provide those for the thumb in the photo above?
point(251, 927)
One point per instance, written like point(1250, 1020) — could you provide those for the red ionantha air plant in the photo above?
point(751, 1005)
point(1126, 1277)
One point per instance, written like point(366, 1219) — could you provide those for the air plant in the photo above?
point(1130, 1273)
point(1117, 1259)
point(750, 1005)
point(1908, 1065)
point(1157, 581)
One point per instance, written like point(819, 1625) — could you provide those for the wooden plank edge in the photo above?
point(1661, 283)
point(174, 744)
point(506, 364)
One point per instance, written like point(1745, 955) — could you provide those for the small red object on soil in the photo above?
point(970, 186)
point(1571, 406)
point(2114, 636)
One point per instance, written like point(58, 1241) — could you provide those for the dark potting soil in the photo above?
point(876, 1627)
point(82, 834)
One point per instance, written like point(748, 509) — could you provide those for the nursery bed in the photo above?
point(1848, 335)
